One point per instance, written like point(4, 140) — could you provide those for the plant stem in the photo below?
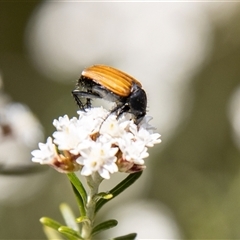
point(93, 183)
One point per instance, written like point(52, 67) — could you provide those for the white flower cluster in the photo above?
point(98, 141)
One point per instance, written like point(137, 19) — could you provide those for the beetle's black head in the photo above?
point(138, 102)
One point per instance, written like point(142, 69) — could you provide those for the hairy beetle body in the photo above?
point(101, 81)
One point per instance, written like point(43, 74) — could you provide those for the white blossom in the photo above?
point(98, 141)
point(147, 136)
point(91, 119)
point(133, 151)
point(46, 154)
point(98, 157)
point(69, 136)
point(63, 122)
point(113, 127)
point(145, 124)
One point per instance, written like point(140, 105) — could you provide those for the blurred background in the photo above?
point(187, 56)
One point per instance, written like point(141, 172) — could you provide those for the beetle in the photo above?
point(111, 84)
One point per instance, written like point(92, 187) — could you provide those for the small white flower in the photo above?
point(46, 154)
point(93, 118)
point(90, 123)
point(63, 122)
point(94, 113)
point(98, 157)
point(145, 124)
point(149, 139)
point(70, 135)
point(145, 132)
point(133, 151)
point(112, 127)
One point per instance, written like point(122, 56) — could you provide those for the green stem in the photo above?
point(93, 183)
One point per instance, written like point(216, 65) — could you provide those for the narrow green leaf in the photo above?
point(130, 236)
point(107, 196)
point(104, 226)
point(79, 201)
point(50, 223)
point(69, 232)
point(78, 185)
point(127, 182)
point(103, 195)
point(69, 217)
point(79, 191)
point(52, 233)
point(83, 219)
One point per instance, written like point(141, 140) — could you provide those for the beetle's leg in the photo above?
point(81, 94)
point(78, 101)
point(122, 109)
point(117, 108)
point(88, 101)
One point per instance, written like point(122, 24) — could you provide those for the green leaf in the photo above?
point(103, 195)
point(69, 233)
point(130, 236)
point(69, 217)
point(79, 191)
point(104, 226)
point(83, 219)
point(79, 201)
point(50, 223)
point(52, 233)
point(127, 182)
